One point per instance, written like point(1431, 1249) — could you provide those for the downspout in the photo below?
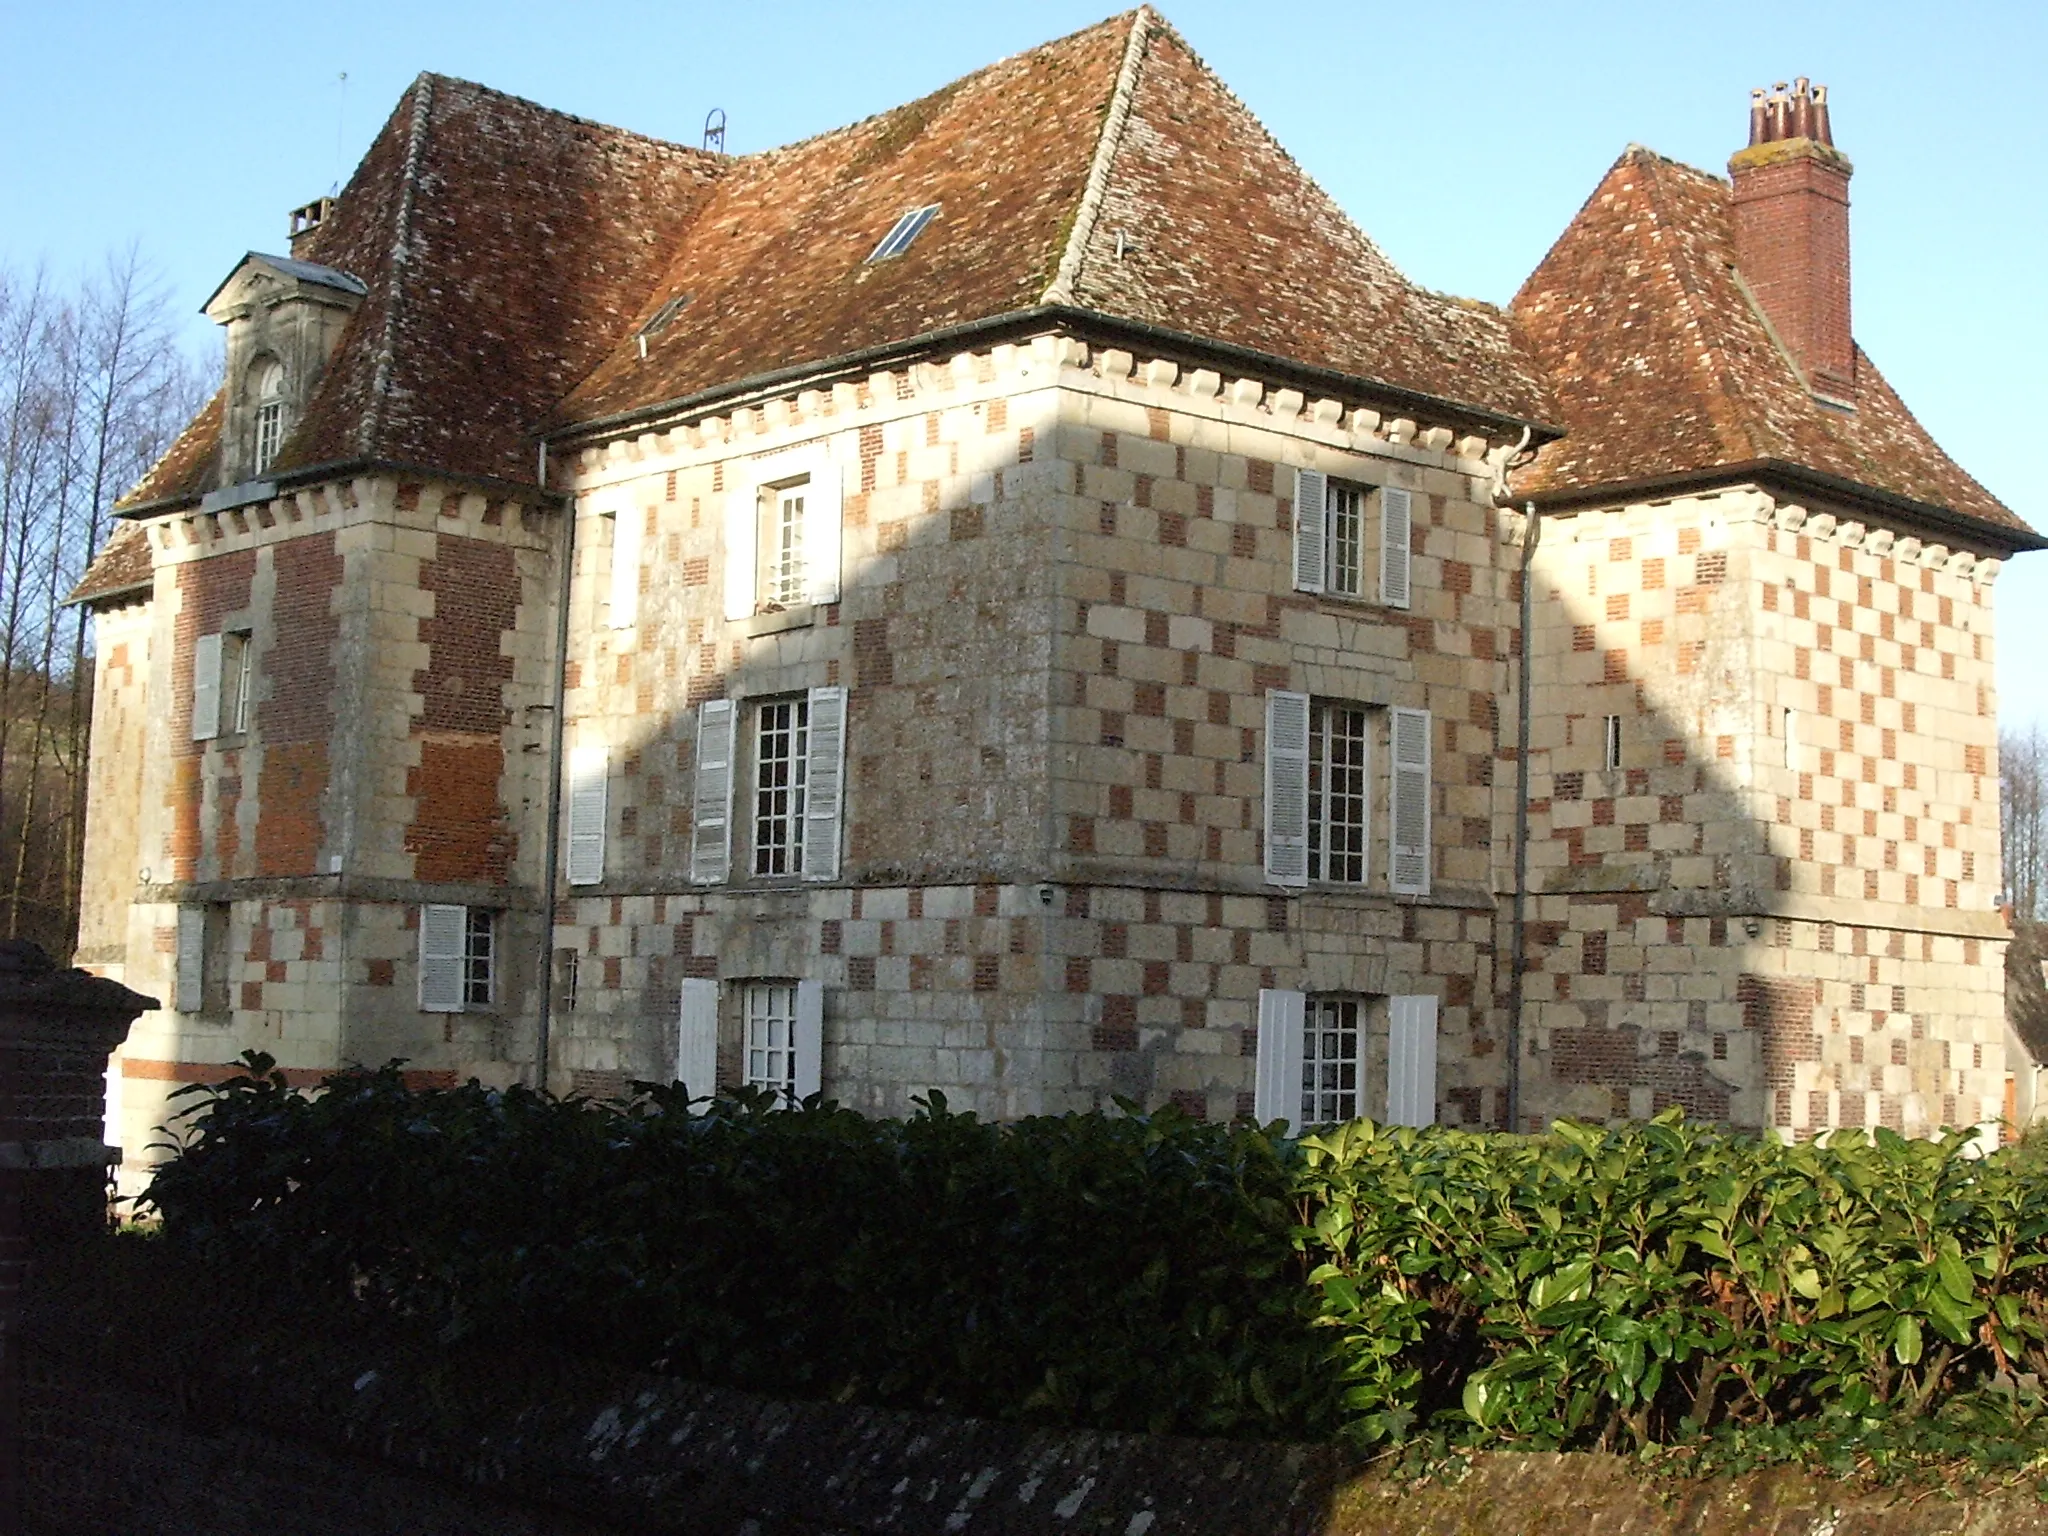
point(557, 731)
point(1517, 961)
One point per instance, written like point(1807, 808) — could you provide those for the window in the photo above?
point(783, 737)
point(1332, 1059)
point(1789, 724)
point(628, 535)
point(203, 982)
point(1313, 1051)
point(783, 536)
point(589, 780)
point(792, 772)
point(223, 679)
point(772, 1032)
point(1610, 743)
point(782, 546)
point(1319, 792)
point(1330, 537)
point(269, 414)
point(771, 1037)
point(458, 958)
point(903, 231)
point(1338, 815)
point(479, 955)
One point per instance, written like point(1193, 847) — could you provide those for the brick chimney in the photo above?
point(1792, 231)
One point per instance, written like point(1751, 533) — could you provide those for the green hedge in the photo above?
point(1625, 1287)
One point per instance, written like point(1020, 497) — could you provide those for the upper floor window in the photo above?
point(1331, 538)
point(783, 535)
point(458, 958)
point(783, 583)
point(1319, 792)
point(223, 683)
point(784, 761)
point(269, 414)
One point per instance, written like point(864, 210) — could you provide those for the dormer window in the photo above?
point(269, 413)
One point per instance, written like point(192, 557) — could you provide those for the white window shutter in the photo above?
point(1411, 1061)
point(1408, 870)
point(742, 569)
point(589, 783)
point(1276, 1091)
point(442, 932)
point(822, 522)
point(711, 796)
point(1287, 788)
point(1397, 518)
point(810, 1038)
point(825, 783)
point(191, 977)
point(627, 530)
point(697, 1038)
point(206, 687)
point(1311, 528)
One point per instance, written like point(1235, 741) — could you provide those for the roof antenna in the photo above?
point(714, 130)
point(340, 114)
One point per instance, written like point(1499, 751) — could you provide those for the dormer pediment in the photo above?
point(260, 281)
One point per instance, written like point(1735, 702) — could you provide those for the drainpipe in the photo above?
point(1531, 529)
point(557, 729)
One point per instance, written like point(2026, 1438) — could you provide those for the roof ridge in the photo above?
point(577, 118)
point(1061, 289)
point(401, 255)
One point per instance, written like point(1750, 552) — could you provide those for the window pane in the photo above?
point(779, 770)
point(782, 546)
point(1337, 830)
point(770, 1035)
point(1329, 1061)
point(1347, 541)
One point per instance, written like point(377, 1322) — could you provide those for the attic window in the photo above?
point(660, 320)
point(663, 315)
point(269, 415)
point(906, 229)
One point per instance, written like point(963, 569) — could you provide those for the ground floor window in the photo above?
point(770, 1047)
point(1332, 1059)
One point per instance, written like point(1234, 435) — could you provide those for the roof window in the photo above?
point(659, 321)
point(906, 229)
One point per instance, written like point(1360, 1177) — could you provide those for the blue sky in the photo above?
point(1462, 139)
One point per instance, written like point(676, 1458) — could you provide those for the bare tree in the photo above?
point(2023, 820)
point(92, 386)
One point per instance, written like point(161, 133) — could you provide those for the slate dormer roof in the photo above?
point(513, 256)
point(1664, 366)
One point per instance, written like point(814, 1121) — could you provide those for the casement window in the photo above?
point(1312, 1055)
point(1320, 790)
point(589, 783)
point(202, 980)
point(775, 1028)
point(223, 680)
point(269, 416)
point(1330, 538)
point(628, 528)
point(783, 536)
point(793, 767)
point(1610, 742)
point(458, 958)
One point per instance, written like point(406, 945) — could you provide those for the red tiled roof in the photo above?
point(505, 248)
point(1663, 366)
point(512, 254)
point(1038, 163)
point(1226, 237)
point(124, 564)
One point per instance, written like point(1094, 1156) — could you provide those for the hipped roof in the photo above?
point(1663, 363)
point(513, 255)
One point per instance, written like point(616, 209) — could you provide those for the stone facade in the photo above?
point(948, 676)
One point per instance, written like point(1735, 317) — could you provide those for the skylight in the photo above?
point(659, 323)
point(907, 229)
